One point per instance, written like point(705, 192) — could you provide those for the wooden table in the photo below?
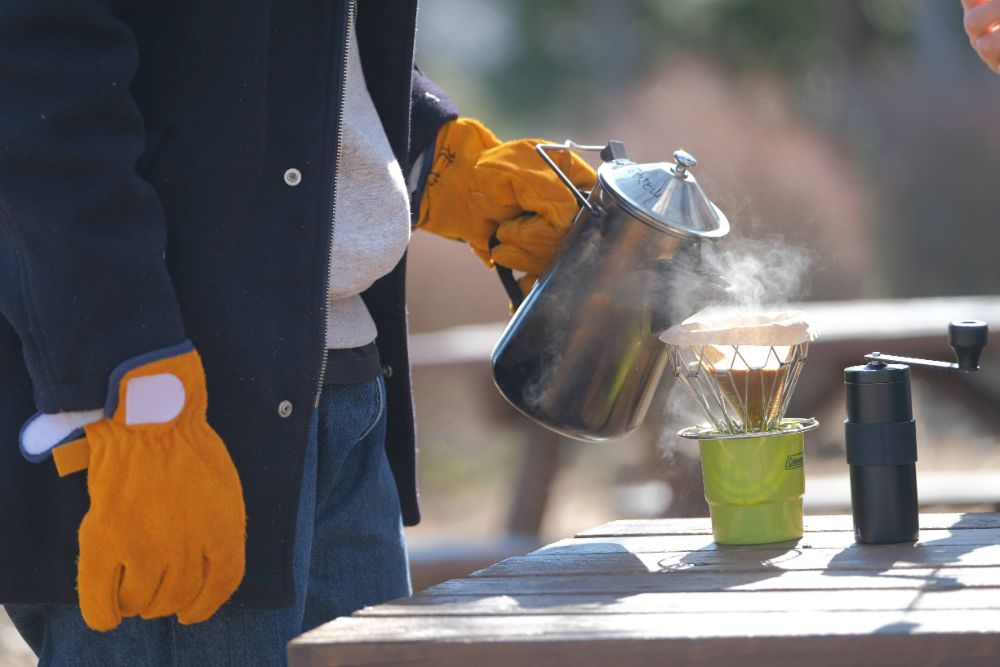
point(661, 592)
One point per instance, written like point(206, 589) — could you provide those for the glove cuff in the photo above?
point(149, 398)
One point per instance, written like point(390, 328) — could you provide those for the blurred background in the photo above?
point(862, 132)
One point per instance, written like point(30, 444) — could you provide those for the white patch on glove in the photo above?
point(153, 399)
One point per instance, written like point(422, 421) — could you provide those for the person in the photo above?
point(981, 21)
point(206, 412)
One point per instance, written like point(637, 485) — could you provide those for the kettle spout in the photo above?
point(711, 286)
point(715, 288)
point(684, 290)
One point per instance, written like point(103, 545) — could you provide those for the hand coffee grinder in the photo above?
point(881, 436)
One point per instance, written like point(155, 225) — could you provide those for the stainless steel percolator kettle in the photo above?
point(581, 356)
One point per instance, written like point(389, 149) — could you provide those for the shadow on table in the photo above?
point(589, 577)
point(759, 561)
point(922, 566)
point(602, 573)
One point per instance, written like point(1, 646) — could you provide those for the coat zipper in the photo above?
point(333, 196)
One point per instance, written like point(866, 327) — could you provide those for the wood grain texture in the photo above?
point(865, 651)
point(661, 592)
point(691, 582)
point(689, 602)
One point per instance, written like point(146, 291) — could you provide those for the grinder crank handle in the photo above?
point(966, 337)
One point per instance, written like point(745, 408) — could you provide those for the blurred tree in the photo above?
point(608, 44)
point(891, 84)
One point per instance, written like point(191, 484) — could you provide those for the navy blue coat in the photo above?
point(143, 147)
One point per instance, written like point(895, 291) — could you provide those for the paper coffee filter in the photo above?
point(714, 327)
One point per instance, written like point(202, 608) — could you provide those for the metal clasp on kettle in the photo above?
point(614, 150)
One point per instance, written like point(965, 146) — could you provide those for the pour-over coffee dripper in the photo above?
point(741, 370)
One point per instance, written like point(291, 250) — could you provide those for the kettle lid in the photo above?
point(665, 196)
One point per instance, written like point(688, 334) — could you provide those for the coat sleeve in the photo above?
point(430, 108)
point(82, 236)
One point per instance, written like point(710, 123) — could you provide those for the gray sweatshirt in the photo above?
point(371, 223)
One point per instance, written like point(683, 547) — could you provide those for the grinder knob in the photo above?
point(968, 338)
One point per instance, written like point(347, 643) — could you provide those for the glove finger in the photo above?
point(138, 585)
point(223, 560)
point(98, 578)
point(521, 157)
point(532, 235)
point(559, 212)
point(518, 260)
point(494, 203)
point(513, 177)
point(527, 244)
point(511, 197)
point(222, 574)
point(484, 256)
point(182, 581)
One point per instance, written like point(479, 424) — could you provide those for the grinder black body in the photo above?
point(881, 439)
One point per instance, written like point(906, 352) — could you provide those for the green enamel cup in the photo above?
point(754, 483)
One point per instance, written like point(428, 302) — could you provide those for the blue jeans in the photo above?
point(349, 553)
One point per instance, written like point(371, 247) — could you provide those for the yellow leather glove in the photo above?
point(479, 187)
point(166, 529)
point(444, 206)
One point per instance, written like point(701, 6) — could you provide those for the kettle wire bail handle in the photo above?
point(613, 150)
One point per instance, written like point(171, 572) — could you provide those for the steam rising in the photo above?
point(764, 272)
point(740, 274)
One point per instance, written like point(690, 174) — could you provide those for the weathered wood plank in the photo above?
point(656, 626)
point(611, 562)
point(719, 603)
point(820, 523)
point(639, 593)
point(397, 639)
point(975, 650)
point(695, 581)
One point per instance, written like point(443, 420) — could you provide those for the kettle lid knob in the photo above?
point(683, 161)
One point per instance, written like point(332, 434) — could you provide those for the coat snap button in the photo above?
point(387, 371)
point(293, 177)
point(284, 408)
